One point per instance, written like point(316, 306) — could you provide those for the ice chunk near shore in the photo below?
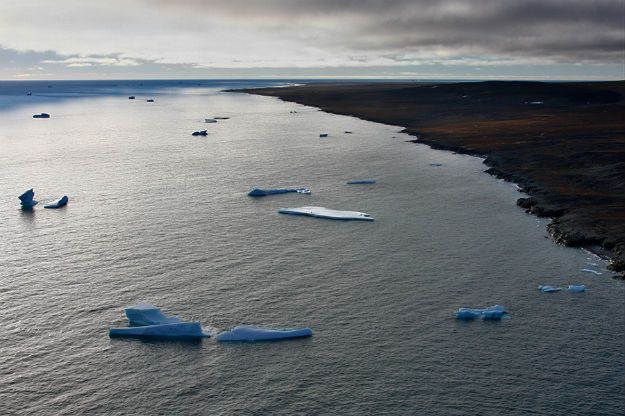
point(321, 212)
point(548, 289)
point(27, 200)
point(143, 314)
point(265, 192)
point(248, 333)
point(576, 288)
point(495, 312)
point(362, 182)
point(59, 203)
point(181, 330)
point(592, 271)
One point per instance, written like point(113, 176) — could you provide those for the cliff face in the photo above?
point(563, 143)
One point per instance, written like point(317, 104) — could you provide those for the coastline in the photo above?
point(562, 143)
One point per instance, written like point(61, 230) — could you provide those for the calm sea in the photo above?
point(155, 214)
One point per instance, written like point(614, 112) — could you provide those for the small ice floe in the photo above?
point(151, 100)
point(592, 271)
point(59, 203)
point(576, 288)
point(210, 120)
point(492, 313)
point(247, 333)
point(332, 214)
point(362, 182)
point(548, 289)
point(42, 115)
point(182, 330)
point(199, 133)
point(323, 135)
point(144, 313)
point(221, 118)
point(266, 192)
point(132, 97)
point(436, 164)
point(26, 199)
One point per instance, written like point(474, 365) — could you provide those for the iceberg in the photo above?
point(436, 164)
point(362, 182)
point(265, 192)
point(199, 133)
point(494, 313)
point(592, 271)
point(221, 118)
point(548, 289)
point(332, 214)
point(576, 288)
point(151, 100)
point(143, 314)
point(59, 203)
point(42, 115)
point(247, 333)
point(27, 200)
point(132, 97)
point(210, 120)
point(323, 135)
point(181, 330)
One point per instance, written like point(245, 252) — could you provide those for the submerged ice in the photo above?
point(321, 212)
point(247, 333)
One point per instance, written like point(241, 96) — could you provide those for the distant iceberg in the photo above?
point(151, 100)
point(321, 212)
point(248, 333)
point(210, 120)
point(181, 330)
point(576, 288)
point(221, 118)
point(323, 135)
point(59, 203)
point(27, 200)
point(494, 313)
point(199, 133)
point(548, 289)
point(436, 164)
point(42, 115)
point(143, 314)
point(362, 182)
point(265, 192)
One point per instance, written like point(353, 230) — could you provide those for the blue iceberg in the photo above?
point(181, 330)
point(576, 288)
point(548, 289)
point(332, 214)
point(59, 203)
point(247, 333)
point(199, 133)
point(143, 314)
point(27, 200)
point(265, 192)
point(362, 182)
point(494, 313)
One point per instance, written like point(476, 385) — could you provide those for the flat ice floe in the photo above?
point(143, 314)
point(321, 212)
point(494, 313)
point(266, 192)
point(548, 289)
point(576, 288)
point(59, 203)
point(181, 330)
point(247, 333)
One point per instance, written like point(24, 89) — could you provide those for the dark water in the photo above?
point(161, 216)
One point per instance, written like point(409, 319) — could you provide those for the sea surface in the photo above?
point(157, 215)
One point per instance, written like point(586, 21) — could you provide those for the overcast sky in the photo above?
point(530, 39)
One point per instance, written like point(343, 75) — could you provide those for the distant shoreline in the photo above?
point(562, 143)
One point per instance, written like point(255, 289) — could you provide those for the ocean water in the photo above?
point(155, 214)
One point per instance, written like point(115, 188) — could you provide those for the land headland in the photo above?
point(563, 143)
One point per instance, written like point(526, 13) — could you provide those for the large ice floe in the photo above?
point(548, 289)
point(26, 199)
point(144, 313)
point(247, 333)
point(181, 330)
point(59, 203)
point(265, 192)
point(321, 212)
point(148, 321)
point(494, 313)
point(576, 288)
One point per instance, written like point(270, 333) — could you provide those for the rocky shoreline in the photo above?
point(562, 143)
